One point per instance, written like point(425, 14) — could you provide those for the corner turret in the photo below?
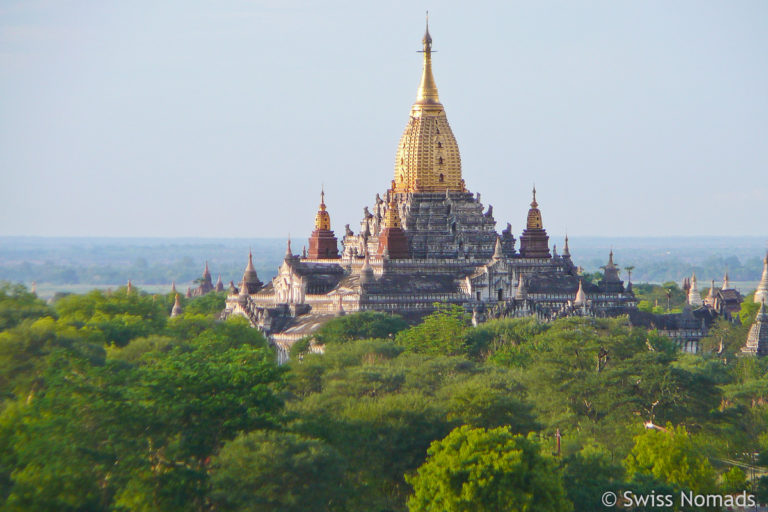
point(250, 277)
point(392, 241)
point(534, 242)
point(322, 243)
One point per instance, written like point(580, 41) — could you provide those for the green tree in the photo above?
point(725, 338)
point(734, 481)
point(588, 473)
point(672, 456)
point(478, 470)
point(441, 333)
point(748, 310)
point(18, 304)
point(116, 317)
point(360, 326)
point(210, 304)
point(278, 471)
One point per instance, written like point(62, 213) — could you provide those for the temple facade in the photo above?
point(427, 239)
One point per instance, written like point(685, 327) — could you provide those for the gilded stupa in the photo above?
point(425, 240)
point(428, 158)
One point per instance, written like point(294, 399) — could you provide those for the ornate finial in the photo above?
point(427, 94)
point(534, 215)
point(427, 40)
point(322, 219)
point(566, 250)
point(288, 252)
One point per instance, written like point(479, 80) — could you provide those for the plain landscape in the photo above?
point(78, 264)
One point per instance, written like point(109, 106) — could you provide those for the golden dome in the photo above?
point(428, 158)
point(322, 219)
point(534, 215)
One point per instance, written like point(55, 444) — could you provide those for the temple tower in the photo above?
point(581, 298)
point(534, 242)
point(761, 295)
point(250, 277)
point(322, 242)
point(428, 157)
point(176, 310)
point(611, 279)
point(694, 297)
point(757, 339)
point(392, 241)
point(207, 284)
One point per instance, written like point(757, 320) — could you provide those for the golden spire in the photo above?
point(427, 88)
point(428, 158)
point(322, 219)
point(534, 215)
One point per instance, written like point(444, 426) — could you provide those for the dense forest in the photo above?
point(107, 404)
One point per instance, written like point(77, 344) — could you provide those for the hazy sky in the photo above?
point(203, 118)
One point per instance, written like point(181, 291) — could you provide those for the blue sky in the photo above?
point(221, 119)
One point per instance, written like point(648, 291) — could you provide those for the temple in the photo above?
point(206, 285)
point(426, 239)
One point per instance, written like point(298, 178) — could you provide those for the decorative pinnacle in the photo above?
point(427, 40)
point(534, 204)
point(427, 94)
